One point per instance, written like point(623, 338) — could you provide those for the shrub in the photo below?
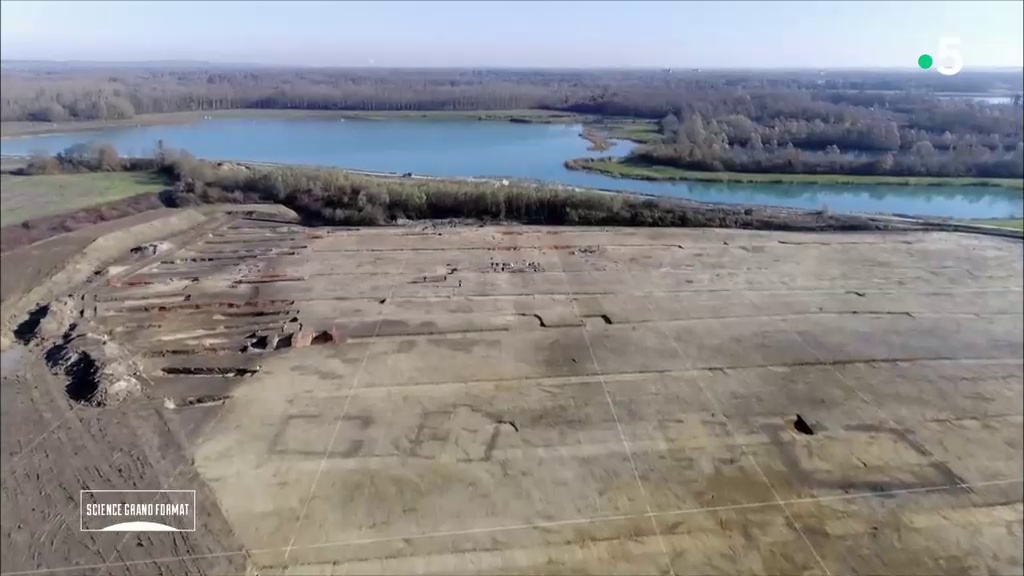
point(41, 163)
point(107, 158)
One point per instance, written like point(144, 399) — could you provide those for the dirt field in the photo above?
point(534, 400)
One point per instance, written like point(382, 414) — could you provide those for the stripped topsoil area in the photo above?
point(445, 398)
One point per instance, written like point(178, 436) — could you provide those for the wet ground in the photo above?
point(552, 400)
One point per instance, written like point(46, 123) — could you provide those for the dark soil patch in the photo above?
point(202, 371)
point(801, 426)
point(80, 368)
point(203, 400)
point(26, 331)
point(283, 342)
point(259, 343)
point(322, 338)
point(83, 380)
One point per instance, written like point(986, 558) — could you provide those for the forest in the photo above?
point(882, 147)
point(845, 122)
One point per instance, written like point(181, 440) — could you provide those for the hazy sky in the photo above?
point(542, 34)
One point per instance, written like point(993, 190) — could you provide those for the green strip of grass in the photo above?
point(635, 171)
point(640, 132)
point(30, 197)
point(1008, 223)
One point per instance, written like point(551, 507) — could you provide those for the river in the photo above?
point(500, 149)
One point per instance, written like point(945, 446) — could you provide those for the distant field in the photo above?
point(29, 197)
point(1009, 223)
point(635, 171)
point(13, 129)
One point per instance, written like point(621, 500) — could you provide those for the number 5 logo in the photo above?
point(949, 58)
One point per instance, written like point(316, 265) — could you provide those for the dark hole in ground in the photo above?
point(283, 342)
point(203, 400)
point(200, 370)
point(83, 381)
point(801, 426)
point(56, 355)
point(259, 343)
point(26, 330)
point(322, 338)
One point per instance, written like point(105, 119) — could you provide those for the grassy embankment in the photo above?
point(1011, 223)
point(30, 197)
point(1007, 223)
point(618, 168)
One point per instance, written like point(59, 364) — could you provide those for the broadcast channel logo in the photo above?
point(138, 510)
point(951, 62)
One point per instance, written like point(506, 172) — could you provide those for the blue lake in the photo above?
point(472, 148)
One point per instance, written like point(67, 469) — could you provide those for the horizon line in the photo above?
point(680, 68)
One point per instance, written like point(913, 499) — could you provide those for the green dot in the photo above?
point(924, 61)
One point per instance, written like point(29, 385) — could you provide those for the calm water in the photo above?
point(469, 148)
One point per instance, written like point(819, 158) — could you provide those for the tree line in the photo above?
point(798, 147)
point(90, 94)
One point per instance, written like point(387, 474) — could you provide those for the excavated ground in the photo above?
point(547, 400)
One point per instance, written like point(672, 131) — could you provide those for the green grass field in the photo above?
point(28, 197)
point(640, 132)
point(1008, 223)
point(650, 172)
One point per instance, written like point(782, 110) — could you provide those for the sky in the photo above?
point(722, 34)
